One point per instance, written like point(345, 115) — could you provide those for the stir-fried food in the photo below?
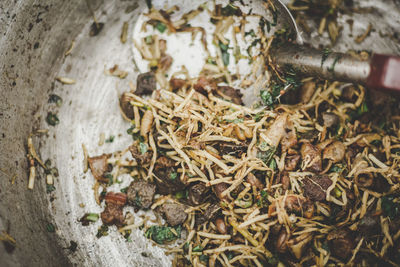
point(314, 183)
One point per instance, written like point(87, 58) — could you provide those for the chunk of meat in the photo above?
point(165, 62)
point(126, 106)
point(112, 214)
point(315, 187)
point(167, 179)
point(141, 159)
point(99, 166)
point(277, 130)
point(349, 93)
point(330, 119)
point(176, 83)
point(334, 152)
point(197, 194)
point(210, 213)
point(366, 139)
point(379, 98)
point(219, 188)
point(307, 91)
point(341, 243)
point(205, 86)
point(231, 94)
point(232, 149)
point(284, 180)
point(221, 226)
point(289, 139)
point(254, 181)
point(164, 162)
point(116, 198)
point(364, 179)
point(140, 194)
point(146, 83)
point(369, 225)
point(311, 156)
point(291, 162)
point(281, 244)
point(296, 204)
point(174, 213)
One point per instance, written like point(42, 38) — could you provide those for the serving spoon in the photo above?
point(380, 72)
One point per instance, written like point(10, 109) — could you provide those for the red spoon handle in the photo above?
point(385, 72)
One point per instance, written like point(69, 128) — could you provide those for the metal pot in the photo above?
point(34, 36)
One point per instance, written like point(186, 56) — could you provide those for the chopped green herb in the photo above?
point(50, 228)
point(197, 249)
point(102, 231)
point(88, 218)
point(50, 188)
point(163, 234)
point(161, 27)
point(203, 258)
point(110, 139)
point(47, 163)
point(149, 4)
point(93, 217)
point(266, 156)
point(127, 236)
point(337, 168)
point(390, 206)
point(143, 148)
point(264, 146)
point(138, 201)
point(181, 194)
point(173, 175)
point(325, 54)
point(231, 10)
point(273, 164)
point(332, 67)
point(211, 61)
point(235, 120)
point(148, 39)
point(263, 199)
point(53, 98)
point(124, 190)
point(257, 117)
point(224, 51)
point(110, 178)
point(72, 246)
point(52, 119)
point(273, 260)
point(251, 33)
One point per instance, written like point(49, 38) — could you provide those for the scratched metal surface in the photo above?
point(90, 107)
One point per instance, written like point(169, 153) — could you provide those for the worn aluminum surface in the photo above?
point(33, 39)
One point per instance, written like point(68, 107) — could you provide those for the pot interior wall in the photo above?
point(33, 40)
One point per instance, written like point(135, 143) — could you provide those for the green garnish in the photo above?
point(50, 228)
point(102, 231)
point(173, 175)
point(52, 119)
point(110, 139)
point(325, 54)
point(163, 234)
point(143, 148)
point(161, 27)
point(53, 98)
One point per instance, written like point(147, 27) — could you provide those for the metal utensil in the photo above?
point(379, 72)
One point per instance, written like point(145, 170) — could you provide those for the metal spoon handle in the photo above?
point(380, 72)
